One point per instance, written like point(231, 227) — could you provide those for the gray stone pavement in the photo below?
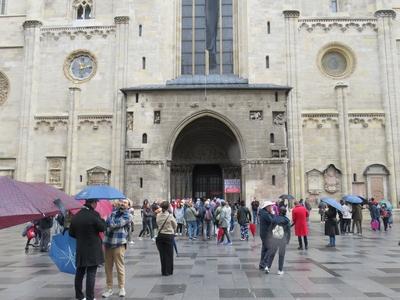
point(359, 268)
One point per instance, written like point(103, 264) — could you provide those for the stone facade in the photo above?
point(321, 118)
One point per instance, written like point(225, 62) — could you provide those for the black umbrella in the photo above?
point(288, 197)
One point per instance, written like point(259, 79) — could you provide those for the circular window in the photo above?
point(4, 88)
point(80, 66)
point(336, 61)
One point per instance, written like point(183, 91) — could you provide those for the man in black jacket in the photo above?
point(266, 218)
point(85, 227)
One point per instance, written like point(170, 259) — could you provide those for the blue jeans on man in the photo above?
point(264, 253)
point(192, 229)
point(255, 217)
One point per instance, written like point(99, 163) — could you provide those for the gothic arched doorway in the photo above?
point(205, 153)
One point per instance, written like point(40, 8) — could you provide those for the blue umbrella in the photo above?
point(332, 202)
point(285, 196)
point(63, 252)
point(352, 199)
point(99, 192)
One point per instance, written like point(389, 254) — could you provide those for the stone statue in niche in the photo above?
point(314, 180)
point(129, 121)
point(157, 117)
point(279, 119)
point(332, 179)
point(256, 115)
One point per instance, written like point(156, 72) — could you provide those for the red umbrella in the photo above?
point(21, 202)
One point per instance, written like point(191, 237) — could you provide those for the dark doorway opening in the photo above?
point(207, 181)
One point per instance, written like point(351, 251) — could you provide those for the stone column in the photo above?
point(72, 141)
point(119, 106)
point(295, 146)
point(389, 88)
point(344, 138)
point(29, 98)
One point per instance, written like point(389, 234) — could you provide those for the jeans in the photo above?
point(45, 240)
point(232, 224)
point(346, 226)
point(332, 240)
point(147, 225)
point(255, 217)
point(179, 228)
point(192, 229)
point(90, 281)
point(208, 225)
point(264, 253)
point(199, 229)
point(275, 245)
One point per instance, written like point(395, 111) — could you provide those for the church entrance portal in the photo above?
point(204, 154)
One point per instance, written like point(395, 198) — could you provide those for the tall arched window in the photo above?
point(83, 9)
point(207, 25)
point(272, 138)
point(144, 138)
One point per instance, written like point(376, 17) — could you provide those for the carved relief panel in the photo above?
point(314, 182)
point(56, 171)
point(332, 179)
point(98, 176)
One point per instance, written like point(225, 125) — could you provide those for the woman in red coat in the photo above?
point(299, 219)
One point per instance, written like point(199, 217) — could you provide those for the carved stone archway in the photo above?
point(211, 144)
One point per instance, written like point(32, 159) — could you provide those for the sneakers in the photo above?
point(140, 238)
point(107, 293)
point(153, 239)
point(280, 273)
point(228, 244)
point(266, 269)
point(122, 292)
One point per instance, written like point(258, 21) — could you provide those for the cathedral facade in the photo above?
point(189, 98)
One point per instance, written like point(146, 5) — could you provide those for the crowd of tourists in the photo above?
point(104, 242)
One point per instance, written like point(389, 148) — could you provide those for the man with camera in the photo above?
point(115, 242)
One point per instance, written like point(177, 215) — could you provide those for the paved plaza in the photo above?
point(360, 268)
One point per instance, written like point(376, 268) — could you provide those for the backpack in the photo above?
point(278, 232)
point(218, 213)
point(208, 215)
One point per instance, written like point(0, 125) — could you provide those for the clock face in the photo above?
point(81, 67)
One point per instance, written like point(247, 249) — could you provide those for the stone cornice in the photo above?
point(291, 13)
point(72, 32)
point(321, 119)
point(95, 120)
point(95, 116)
point(385, 13)
point(145, 162)
point(51, 122)
point(121, 20)
point(264, 161)
point(32, 24)
point(343, 24)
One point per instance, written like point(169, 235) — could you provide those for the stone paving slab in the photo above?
point(360, 268)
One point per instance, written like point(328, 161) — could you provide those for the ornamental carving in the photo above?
point(4, 88)
point(367, 119)
point(121, 20)
point(98, 176)
point(256, 115)
point(87, 32)
point(51, 122)
point(129, 121)
point(314, 182)
point(341, 24)
point(323, 120)
point(291, 13)
point(94, 121)
point(279, 118)
point(55, 171)
point(31, 24)
point(385, 13)
point(332, 179)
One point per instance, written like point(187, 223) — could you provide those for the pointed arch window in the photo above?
point(144, 138)
point(83, 9)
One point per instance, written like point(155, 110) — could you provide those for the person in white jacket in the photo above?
point(346, 217)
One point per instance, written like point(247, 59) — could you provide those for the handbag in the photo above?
point(162, 226)
point(374, 224)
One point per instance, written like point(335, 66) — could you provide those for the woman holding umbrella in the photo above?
point(331, 226)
